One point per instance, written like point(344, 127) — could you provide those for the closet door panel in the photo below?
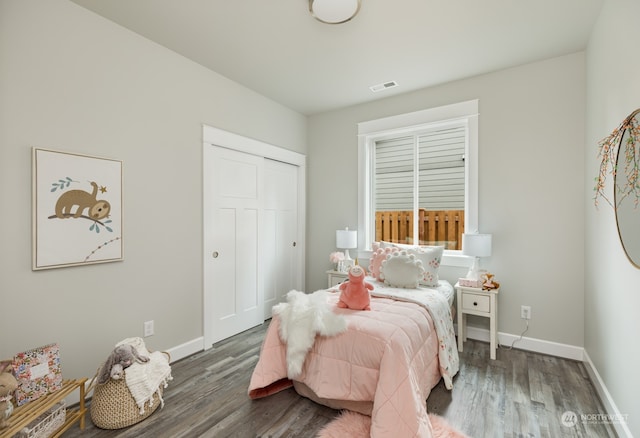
point(281, 250)
point(233, 213)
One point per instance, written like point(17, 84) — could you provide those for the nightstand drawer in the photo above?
point(479, 303)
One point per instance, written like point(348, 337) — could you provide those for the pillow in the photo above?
point(430, 256)
point(378, 256)
point(384, 244)
point(402, 270)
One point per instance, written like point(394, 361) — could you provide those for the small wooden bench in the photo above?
point(22, 416)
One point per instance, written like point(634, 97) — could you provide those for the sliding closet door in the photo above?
point(233, 191)
point(253, 230)
point(282, 256)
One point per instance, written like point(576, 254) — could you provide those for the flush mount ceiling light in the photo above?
point(334, 11)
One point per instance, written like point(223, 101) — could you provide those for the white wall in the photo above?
point(73, 81)
point(612, 284)
point(530, 190)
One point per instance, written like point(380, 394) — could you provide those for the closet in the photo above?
point(253, 216)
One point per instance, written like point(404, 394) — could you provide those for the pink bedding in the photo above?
point(388, 355)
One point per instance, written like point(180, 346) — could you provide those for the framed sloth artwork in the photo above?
point(77, 209)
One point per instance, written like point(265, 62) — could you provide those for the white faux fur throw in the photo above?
point(303, 317)
point(146, 379)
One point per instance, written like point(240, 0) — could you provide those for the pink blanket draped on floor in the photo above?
point(388, 355)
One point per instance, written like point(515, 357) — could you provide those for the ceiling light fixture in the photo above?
point(334, 11)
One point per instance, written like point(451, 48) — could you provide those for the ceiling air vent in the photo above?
point(384, 86)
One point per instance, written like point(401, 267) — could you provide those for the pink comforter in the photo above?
point(388, 355)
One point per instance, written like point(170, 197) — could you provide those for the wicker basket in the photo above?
point(113, 407)
point(46, 424)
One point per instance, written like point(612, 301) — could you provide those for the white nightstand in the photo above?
point(475, 301)
point(336, 277)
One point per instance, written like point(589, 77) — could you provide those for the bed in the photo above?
point(384, 364)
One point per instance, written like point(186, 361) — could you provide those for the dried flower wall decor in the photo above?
point(625, 184)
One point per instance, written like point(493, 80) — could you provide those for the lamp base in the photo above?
point(474, 271)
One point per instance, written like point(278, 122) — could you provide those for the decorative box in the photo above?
point(46, 424)
point(38, 373)
point(468, 282)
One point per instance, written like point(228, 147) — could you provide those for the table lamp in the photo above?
point(476, 245)
point(346, 239)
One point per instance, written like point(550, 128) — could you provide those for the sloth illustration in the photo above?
point(98, 208)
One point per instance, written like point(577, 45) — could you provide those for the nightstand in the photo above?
point(336, 277)
point(480, 302)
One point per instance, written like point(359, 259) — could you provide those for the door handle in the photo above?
point(215, 254)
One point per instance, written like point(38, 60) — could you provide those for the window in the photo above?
point(418, 177)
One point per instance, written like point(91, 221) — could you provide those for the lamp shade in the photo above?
point(346, 239)
point(477, 245)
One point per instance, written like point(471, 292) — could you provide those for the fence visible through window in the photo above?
point(435, 227)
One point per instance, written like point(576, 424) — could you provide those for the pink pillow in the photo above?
point(378, 256)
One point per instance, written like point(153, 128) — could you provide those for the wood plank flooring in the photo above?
point(520, 394)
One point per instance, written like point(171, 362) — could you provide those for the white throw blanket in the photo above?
point(146, 379)
point(303, 317)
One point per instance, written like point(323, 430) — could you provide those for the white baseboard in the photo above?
point(187, 349)
point(610, 406)
point(530, 344)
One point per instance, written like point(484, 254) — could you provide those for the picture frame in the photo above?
point(77, 212)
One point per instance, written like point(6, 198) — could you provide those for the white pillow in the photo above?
point(431, 257)
point(402, 270)
point(384, 244)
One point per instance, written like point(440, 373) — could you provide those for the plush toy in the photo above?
point(488, 282)
point(121, 358)
point(8, 384)
point(355, 292)
point(117, 371)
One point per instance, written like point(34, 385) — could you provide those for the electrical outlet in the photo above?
point(148, 328)
point(525, 312)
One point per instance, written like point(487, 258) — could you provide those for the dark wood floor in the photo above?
point(520, 394)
